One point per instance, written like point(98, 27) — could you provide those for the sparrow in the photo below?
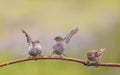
point(95, 55)
point(34, 46)
point(61, 42)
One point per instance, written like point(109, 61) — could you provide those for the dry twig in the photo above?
point(59, 58)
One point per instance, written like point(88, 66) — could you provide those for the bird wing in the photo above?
point(29, 40)
point(58, 46)
point(70, 34)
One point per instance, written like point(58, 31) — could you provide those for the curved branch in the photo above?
point(59, 58)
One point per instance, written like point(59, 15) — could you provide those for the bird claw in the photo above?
point(34, 57)
point(60, 56)
point(87, 63)
point(96, 64)
point(51, 54)
point(29, 57)
point(41, 55)
point(64, 55)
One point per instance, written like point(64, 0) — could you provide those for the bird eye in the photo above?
point(38, 41)
point(56, 38)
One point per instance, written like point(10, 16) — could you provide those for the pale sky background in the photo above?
point(99, 27)
point(44, 20)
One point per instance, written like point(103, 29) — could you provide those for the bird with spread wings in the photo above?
point(34, 46)
point(58, 48)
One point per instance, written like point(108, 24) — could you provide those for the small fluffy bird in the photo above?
point(34, 46)
point(58, 48)
point(95, 55)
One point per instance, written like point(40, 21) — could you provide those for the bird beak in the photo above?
point(54, 38)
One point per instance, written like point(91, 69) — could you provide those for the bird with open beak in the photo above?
point(95, 55)
point(34, 46)
point(59, 47)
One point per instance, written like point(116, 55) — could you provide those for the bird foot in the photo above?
point(87, 63)
point(96, 64)
point(40, 55)
point(64, 55)
point(29, 57)
point(51, 54)
point(60, 56)
point(32, 57)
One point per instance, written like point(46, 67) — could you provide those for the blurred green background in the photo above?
point(99, 27)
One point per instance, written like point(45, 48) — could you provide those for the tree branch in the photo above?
point(59, 58)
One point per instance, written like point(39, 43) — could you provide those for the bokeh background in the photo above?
point(99, 27)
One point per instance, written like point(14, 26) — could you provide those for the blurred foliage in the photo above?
point(99, 26)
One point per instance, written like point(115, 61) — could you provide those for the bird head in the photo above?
point(58, 38)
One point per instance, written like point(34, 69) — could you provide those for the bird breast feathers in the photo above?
point(58, 46)
point(36, 46)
